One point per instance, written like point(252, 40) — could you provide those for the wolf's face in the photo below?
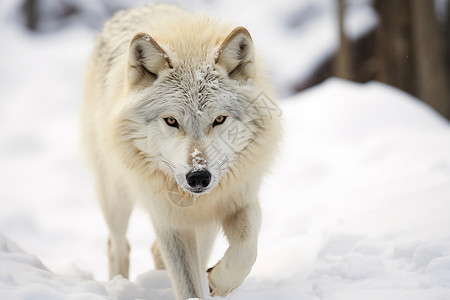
point(192, 119)
point(197, 124)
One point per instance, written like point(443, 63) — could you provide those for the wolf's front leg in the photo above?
point(179, 252)
point(241, 230)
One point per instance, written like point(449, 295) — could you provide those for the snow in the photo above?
point(356, 207)
point(360, 19)
point(198, 162)
point(196, 152)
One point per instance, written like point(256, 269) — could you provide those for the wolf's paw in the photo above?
point(223, 281)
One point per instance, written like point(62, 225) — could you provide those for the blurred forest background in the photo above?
point(407, 46)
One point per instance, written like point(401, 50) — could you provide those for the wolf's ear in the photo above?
point(146, 59)
point(236, 54)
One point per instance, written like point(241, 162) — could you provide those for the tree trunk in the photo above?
point(342, 64)
point(395, 49)
point(447, 38)
point(29, 8)
point(433, 76)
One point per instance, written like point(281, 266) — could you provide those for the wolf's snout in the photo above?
point(198, 180)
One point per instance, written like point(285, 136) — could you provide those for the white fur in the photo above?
point(203, 69)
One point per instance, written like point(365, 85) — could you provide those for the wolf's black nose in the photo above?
point(198, 179)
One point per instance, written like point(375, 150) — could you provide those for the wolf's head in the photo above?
point(191, 115)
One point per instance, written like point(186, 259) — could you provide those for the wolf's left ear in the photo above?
point(146, 59)
point(236, 54)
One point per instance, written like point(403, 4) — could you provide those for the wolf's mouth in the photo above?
point(198, 191)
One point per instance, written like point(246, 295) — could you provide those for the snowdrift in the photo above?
point(357, 207)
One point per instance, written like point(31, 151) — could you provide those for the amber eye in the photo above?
point(171, 121)
point(219, 120)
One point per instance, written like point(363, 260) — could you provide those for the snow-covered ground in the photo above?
point(357, 207)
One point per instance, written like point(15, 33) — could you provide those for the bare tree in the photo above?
point(432, 72)
point(447, 37)
point(395, 49)
point(343, 64)
point(29, 9)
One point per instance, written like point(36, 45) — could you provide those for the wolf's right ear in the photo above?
point(236, 54)
point(146, 59)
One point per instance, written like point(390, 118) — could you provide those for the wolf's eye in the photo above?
point(219, 120)
point(171, 121)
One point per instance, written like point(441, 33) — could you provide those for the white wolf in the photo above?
point(178, 115)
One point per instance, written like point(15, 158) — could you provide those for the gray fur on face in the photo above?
point(195, 97)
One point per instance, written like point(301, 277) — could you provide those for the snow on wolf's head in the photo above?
point(190, 114)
